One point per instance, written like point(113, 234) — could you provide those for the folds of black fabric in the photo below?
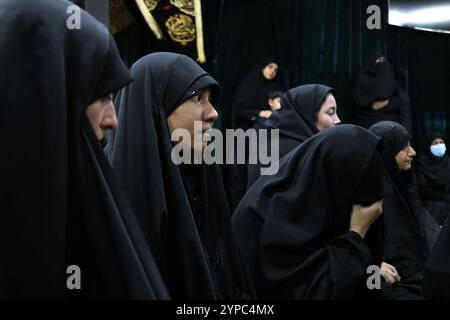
point(59, 205)
point(404, 242)
point(293, 227)
point(436, 278)
point(191, 239)
point(376, 82)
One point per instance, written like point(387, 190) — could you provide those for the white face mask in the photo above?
point(438, 150)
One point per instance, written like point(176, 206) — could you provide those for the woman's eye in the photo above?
point(197, 97)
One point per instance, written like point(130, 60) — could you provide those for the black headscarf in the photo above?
point(251, 96)
point(184, 238)
point(293, 226)
point(395, 139)
point(298, 115)
point(59, 204)
point(435, 169)
point(295, 120)
point(376, 82)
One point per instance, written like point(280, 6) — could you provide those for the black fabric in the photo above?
point(376, 82)
point(293, 226)
point(436, 279)
point(138, 40)
point(405, 220)
point(439, 210)
point(59, 204)
point(433, 192)
point(253, 170)
point(404, 244)
point(166, 10)
point(183, 212)
point(296, 121)
point(251, 96)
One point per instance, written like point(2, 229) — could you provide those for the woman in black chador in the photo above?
point(302, 231)
point(305, 111)
point(60, 208)
point(182, 208)
point(433, 177)
point(408, 231)
point(250, 99)
point(378, 96)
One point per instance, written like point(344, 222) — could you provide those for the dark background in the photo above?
point(316, 41)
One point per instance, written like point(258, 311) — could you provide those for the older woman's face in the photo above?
point(197, 108)
point(102, 116)
point(404, 158)
point(270, 71)
point(327, 116)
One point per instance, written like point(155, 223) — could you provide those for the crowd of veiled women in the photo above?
point(87, 179)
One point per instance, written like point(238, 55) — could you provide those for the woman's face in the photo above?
point(404, 158)
point(327, 116)
point(270, 71)
point(437, 141)
point(197, 108)
point(102, 116)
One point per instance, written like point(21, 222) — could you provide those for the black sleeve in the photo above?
point(246, 114)
point(346, 259)
point(335, 270)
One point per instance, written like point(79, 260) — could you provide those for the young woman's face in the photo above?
point(102, 116)
point(404, 158)
point(327, 116)
point(197, 108)
point(270, 71)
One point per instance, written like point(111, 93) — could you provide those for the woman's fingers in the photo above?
point(389, 273)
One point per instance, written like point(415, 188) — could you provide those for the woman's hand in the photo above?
point(377, 105)
point(389, 273)
point(363, 217)
point(265, 113)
